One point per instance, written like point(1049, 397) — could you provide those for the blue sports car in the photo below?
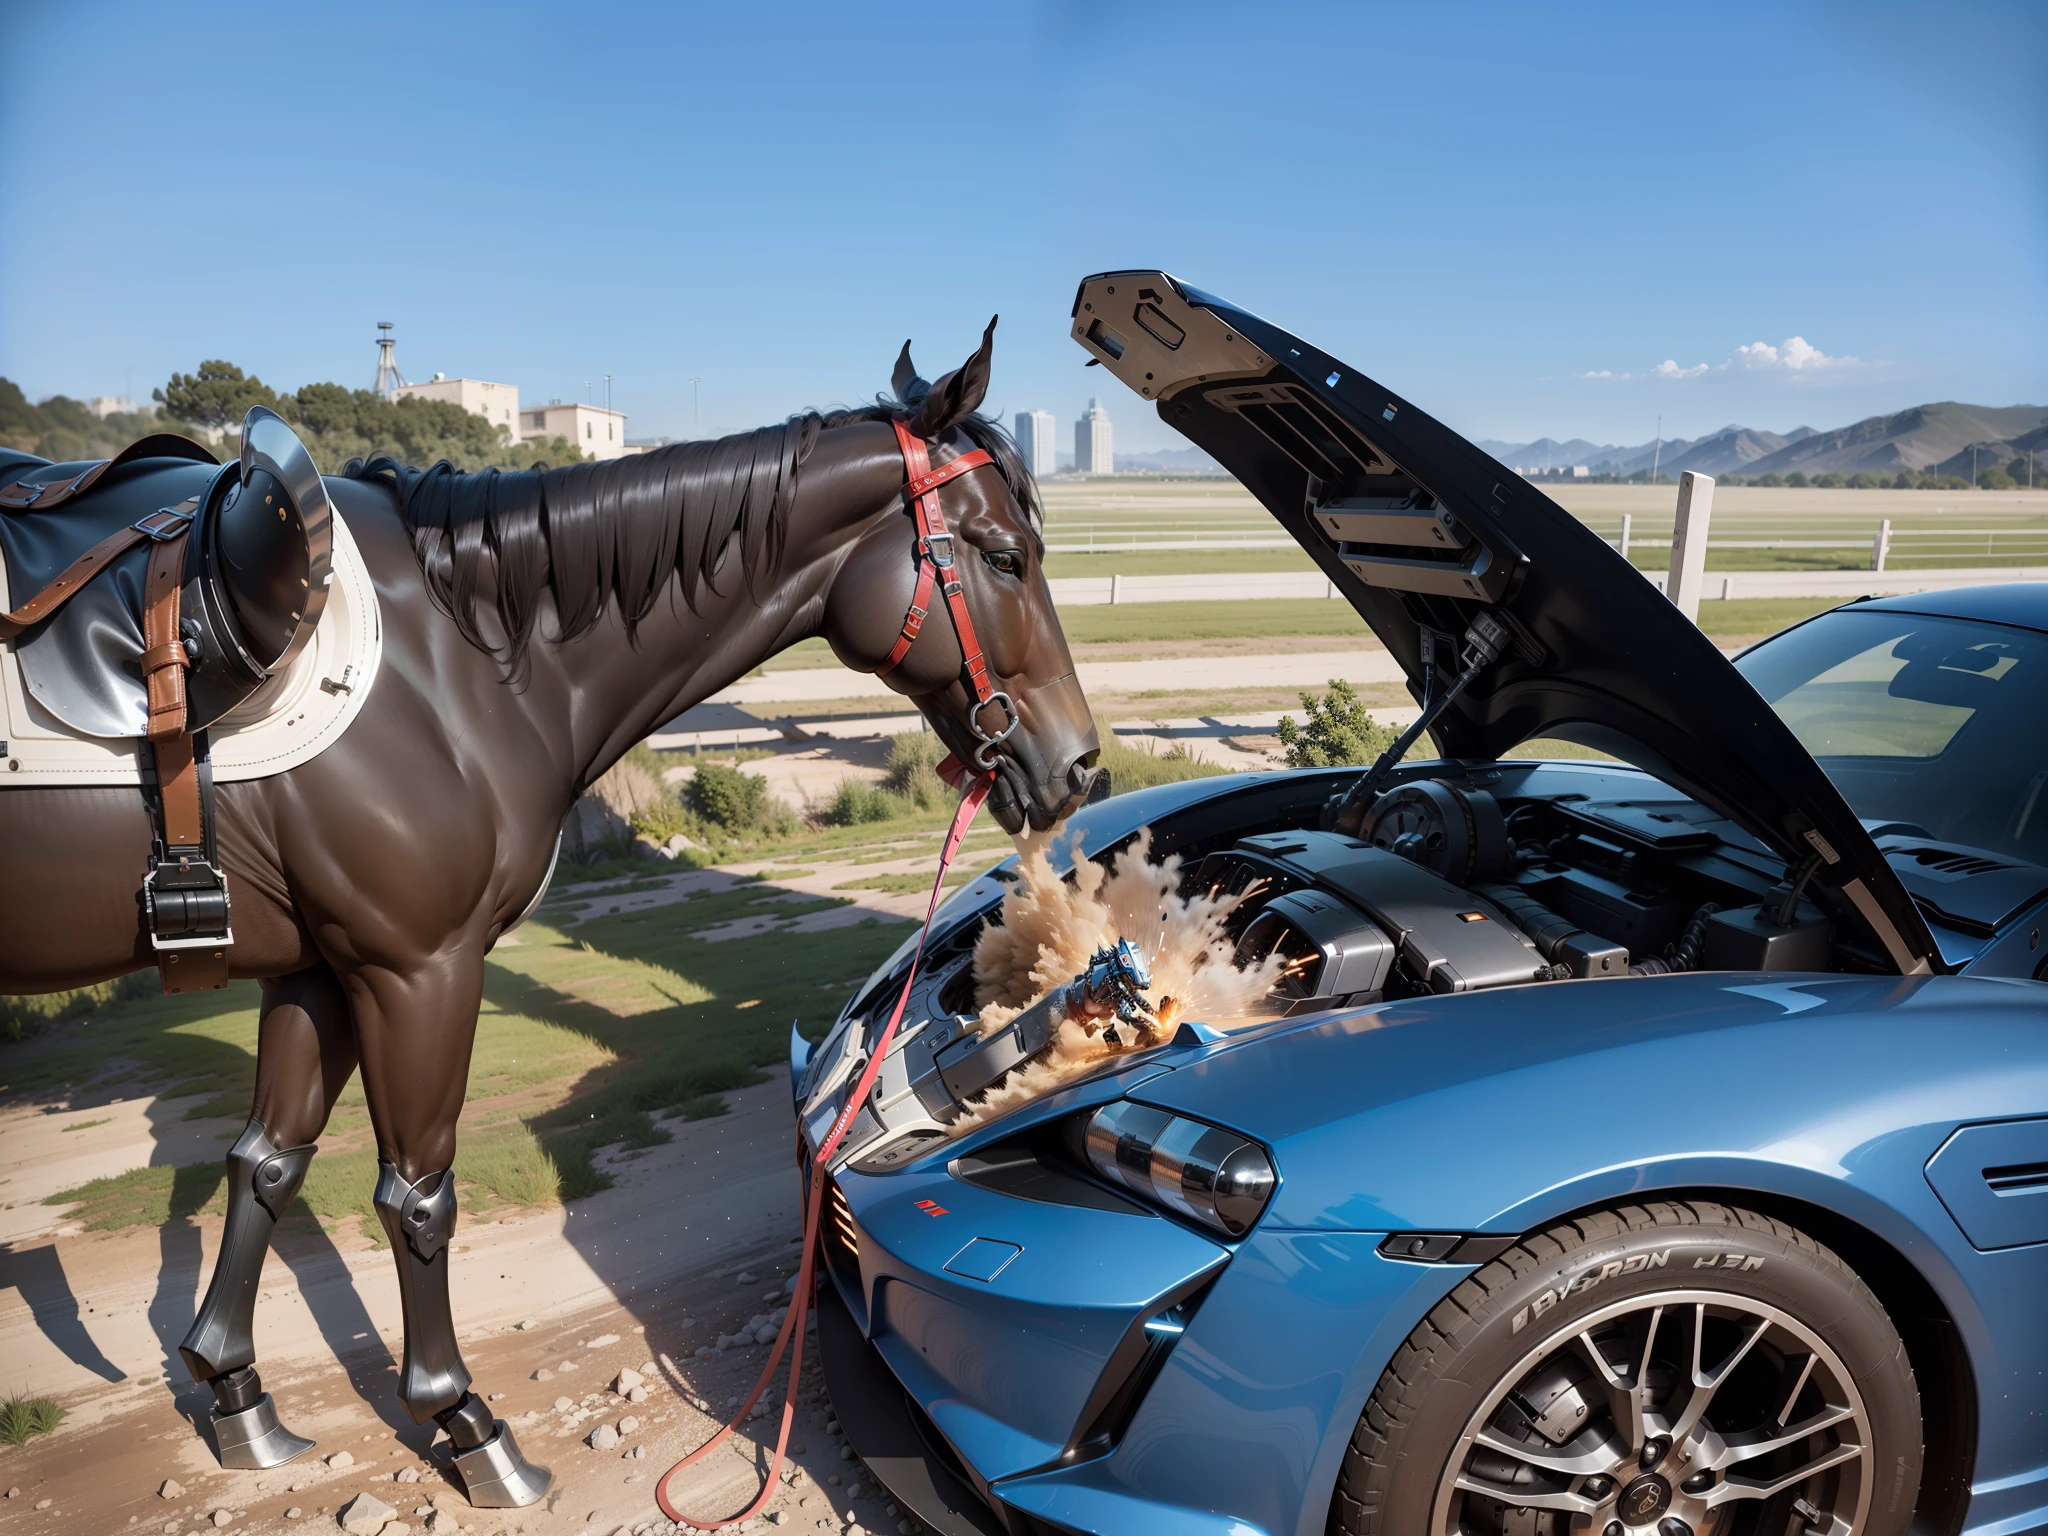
point(1655, 1142)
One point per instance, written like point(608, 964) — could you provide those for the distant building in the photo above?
point(496, 403)
point(1094, 442)
point(1035, 441)
point(104, 406)
point(600, 433)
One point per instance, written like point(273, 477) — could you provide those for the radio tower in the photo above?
point(388, 377)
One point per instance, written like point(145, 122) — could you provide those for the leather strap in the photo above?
point(23, 494)
point(163, 654)
point(66, 586)
point(934, 555)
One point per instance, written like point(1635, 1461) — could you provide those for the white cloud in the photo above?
point(1796, 355)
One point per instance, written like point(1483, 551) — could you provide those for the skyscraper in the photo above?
point(1035, 441)
point(1094, 442)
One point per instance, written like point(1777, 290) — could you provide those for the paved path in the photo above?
point(1300, 669)
point(1296, 586)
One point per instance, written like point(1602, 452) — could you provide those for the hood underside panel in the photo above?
point(1421, 532)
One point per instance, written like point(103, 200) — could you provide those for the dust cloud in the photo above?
point(1052, 926)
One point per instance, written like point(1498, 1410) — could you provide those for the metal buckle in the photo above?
point(984, 754)
point(152, 527)
point(943, 562)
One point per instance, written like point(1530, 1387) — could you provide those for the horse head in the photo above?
point(1028, 723)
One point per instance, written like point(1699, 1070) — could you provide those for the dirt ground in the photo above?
point(696, 1238)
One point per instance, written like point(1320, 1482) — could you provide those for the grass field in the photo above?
point(1755, 528)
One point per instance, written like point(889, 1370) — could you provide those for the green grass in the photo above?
point(84, 1125)
point(1177, 562)
point(22, 1418)
point(902, 885)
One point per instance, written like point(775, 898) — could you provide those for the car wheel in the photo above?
point(1684, 1369)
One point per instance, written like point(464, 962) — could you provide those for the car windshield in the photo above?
point(1930, 727)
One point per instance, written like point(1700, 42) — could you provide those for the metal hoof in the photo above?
point(496, 1476)
point(252, 1439)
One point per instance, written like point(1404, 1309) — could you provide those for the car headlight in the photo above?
point(1201, 1171)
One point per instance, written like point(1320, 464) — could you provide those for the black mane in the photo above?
point(596, 533)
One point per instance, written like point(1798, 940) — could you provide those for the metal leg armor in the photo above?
point(220, 1348)
point(433, 1383)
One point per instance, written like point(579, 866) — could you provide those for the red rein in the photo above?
point(792, 1335)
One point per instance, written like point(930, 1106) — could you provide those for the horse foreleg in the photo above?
point(415, 1033)
point(305, 1052)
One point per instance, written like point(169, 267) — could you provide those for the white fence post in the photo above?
point(1628, 523)
point(1689, 543)
point(1116, 589)
point(1881, 546)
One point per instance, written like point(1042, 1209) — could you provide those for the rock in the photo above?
point(639, 1453)
point(543, 1374)
point(857, 1490)
point(601, 1340)
point(221, 1519)
point(778, 1517)
point(564, 1404)
point(301, 1485)
point(904, 1527)
point(497, 1397)
point(566, 1365)
point(528, 1326)
point(172, 1489)
point(637, 1395)
point(341, 1461)
point(648, 1368)
point(365, 1515)
point(44, 1503)
point(441, 1523)
point(294, 1513)
point(797, 1448)
point(626, 1381)
point(748, 1277)
point(846, 1453)
point(725, 1341)
point(789, 1286)
point(628, 1425)
point(603, 1438)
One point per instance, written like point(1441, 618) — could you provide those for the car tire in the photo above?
point(1588, 1331)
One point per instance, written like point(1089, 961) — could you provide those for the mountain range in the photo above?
point(1937, 436)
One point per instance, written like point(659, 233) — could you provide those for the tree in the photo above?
point(1796, 478)
point(216, 398)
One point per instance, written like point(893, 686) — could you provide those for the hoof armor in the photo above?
point(496, 1476)
point(252, 1439)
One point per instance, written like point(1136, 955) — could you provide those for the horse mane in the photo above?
point(594, 534)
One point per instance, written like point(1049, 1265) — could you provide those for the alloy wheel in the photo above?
point(1685, 1413)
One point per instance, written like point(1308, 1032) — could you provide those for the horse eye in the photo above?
point(1004, 560)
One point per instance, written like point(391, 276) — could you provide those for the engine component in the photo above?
point(1460, 833)
point(1200, 1171)
point(1334, 953)
point(1558, 939)
point(1751, 939)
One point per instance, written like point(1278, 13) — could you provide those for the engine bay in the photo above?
point(1464, 877)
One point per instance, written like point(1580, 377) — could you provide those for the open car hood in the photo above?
point(1420, 530)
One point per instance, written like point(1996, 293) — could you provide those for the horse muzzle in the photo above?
point(1021, 798)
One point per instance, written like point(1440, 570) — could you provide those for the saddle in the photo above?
point(167, 589)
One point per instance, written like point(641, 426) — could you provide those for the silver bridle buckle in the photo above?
point(984, 755)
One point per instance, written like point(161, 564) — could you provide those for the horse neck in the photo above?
point(613, 689)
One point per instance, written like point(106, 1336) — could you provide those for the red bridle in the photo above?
point(933, 553)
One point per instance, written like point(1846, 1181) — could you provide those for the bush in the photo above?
point(1338, 731)
point(856, 802)
point(913, 769)
point(19, 1015)
point(736, 802)
point(23, 1417)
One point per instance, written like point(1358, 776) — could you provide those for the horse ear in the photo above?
point(957, 394)
point(908, 387)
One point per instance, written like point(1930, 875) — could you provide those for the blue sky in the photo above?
point(1513, 215)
